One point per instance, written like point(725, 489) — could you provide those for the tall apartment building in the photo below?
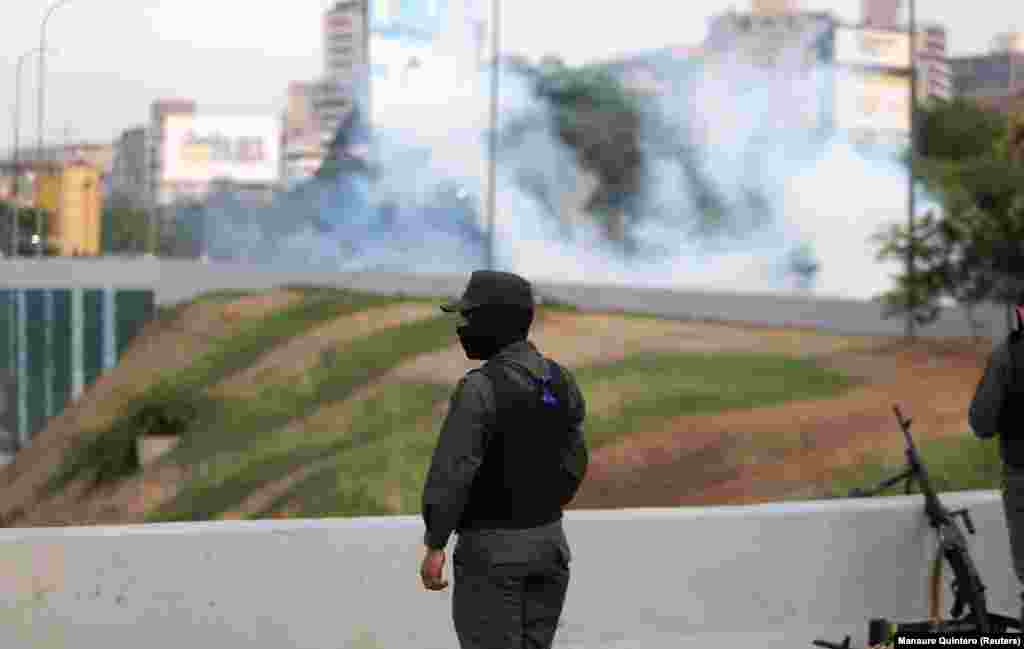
point(346, 61)
point(934, 71)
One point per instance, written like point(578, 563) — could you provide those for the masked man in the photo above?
point(998, 409)
point(510, 456)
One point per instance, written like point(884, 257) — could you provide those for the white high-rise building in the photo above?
point(346, 50)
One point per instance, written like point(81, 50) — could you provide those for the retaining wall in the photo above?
point(177, 280)
point(769, 576)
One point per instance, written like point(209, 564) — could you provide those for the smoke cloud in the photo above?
point(756, 139)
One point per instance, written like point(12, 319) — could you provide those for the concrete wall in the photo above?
point(177, 280)
point(772, 576)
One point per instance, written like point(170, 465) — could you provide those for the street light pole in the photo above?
point(49, 371)
point(911, 202)
point(42, 106)
point(17, 144)
point(493, 140)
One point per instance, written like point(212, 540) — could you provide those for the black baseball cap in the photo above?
point(490, 288)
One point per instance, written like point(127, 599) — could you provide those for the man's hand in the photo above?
point(432, 570)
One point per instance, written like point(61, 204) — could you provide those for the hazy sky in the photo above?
point(116, 56)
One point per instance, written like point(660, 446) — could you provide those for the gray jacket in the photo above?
point(464, 435)
point(992, 392)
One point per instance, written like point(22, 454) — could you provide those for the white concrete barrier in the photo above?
point(768, 576)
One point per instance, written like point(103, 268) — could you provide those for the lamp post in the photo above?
point(49, 372)
point(17, 135)
point(493, 140)
point(42, 105)
point(17, 145)
point(911, 202)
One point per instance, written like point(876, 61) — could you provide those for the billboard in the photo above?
point(875, 101)
point(198, 149)
point(872, 48)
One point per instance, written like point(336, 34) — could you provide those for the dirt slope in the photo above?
point(712, 459)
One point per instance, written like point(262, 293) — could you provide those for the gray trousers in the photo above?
point(1013, 506)
point(509, 587)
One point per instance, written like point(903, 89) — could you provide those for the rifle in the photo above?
point(968, 589)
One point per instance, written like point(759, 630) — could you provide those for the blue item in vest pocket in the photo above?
point(547, 396)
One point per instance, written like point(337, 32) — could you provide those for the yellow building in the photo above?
point(71, 193)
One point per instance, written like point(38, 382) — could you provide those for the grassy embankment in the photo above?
point(373, 456)
point(957, 463)
point(375, 463)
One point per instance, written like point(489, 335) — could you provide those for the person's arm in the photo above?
point(457, 458)
point(991, 394)
point(577, 457)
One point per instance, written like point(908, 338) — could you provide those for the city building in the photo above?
point(881, 14)
point(1009, 42)
point(775, 7)
point(793, 48)
point(992, 76)
point(872, 85)
point(934, 71)
point(71, 194)
point(129, 181)
point(301, 146)
point(770, 39)
point(98, 154)
point(346, 57)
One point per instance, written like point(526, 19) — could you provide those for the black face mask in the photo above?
point(478, 346)
point(485, 333)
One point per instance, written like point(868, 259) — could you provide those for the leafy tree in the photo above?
point(31, 221)
point(126, 229)
point(957, 130)
point(968, 157)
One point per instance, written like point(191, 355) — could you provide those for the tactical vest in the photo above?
point(523, 481)
point(1011, 417)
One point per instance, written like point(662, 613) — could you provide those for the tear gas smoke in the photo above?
point(756, 139)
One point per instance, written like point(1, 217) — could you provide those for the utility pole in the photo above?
point(493, 140)
point(911, 202)
point(17, 149)
point(49, 371)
